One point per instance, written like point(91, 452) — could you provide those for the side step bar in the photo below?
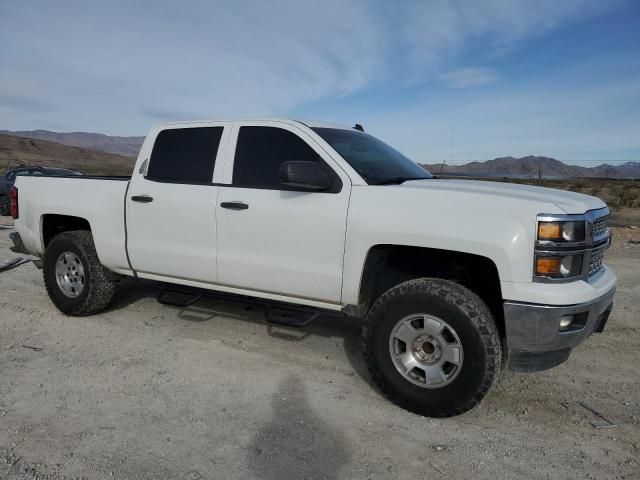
point(277, 313)
point(290, 317)
point(178, 299)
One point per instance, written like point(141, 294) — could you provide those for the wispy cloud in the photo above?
point(438, 30)
point(470, 77)
point(211, 59)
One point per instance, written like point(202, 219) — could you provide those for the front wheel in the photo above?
point(432, 347)
point(76, 281)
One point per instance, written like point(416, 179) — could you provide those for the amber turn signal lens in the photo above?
point(549, 231)
point(548, 266)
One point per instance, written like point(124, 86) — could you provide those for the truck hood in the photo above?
point(569, 202)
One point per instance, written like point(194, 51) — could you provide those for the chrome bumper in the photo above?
point(535, 338)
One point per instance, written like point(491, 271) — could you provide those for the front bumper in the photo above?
point(535, 338)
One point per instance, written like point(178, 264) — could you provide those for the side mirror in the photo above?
point(307, 175)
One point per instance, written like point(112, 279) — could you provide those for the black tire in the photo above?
point(98, 291)
point(471, 320)
point(5, 205)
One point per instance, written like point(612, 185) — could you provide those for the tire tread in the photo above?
point(469, 303)
point(101, 290)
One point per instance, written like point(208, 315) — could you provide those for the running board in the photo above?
point(277, 313)
point(178, 299)
point(290, 317)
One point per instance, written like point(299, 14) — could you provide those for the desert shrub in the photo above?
point(628, 195)
point(577, 186)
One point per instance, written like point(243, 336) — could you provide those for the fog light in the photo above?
point(565, 321)
point(565, 266)
point(558, 267)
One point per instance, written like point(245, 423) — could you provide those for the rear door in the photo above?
point(171, 205)
point(284, 240)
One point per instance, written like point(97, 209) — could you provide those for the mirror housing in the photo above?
point(305, 175)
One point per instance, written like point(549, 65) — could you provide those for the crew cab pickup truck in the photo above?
point(454, 280)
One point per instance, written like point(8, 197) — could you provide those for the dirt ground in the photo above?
point(213, 392)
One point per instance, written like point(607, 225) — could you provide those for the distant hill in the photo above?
point(15, 150)
point(128, 146)
point(531, 166)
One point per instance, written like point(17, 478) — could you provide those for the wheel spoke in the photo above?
point(434, 375)
point(451, 352)
point(407, 361)
point(432, 326)
point(406, 332)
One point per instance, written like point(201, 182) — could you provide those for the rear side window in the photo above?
point(261, 150)
point(185, 155)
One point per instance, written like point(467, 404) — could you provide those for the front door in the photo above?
point(278, 239)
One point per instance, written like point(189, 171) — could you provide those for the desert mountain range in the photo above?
point(105, 153)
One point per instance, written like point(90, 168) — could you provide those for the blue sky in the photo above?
point(508, 77)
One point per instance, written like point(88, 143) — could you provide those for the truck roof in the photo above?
point(308, 123)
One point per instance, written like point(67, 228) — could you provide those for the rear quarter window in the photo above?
point(185, 155)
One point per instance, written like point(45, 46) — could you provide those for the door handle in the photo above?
point(142, 198)
point(234, 205)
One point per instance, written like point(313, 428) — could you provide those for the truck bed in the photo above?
point(98, 199)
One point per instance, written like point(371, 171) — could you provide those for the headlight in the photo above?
point(569, 247)
point(561, 232)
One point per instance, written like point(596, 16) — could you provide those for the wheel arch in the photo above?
point(387, 265)
point(52, 224)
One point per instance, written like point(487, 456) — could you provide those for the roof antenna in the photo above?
point(357, 126)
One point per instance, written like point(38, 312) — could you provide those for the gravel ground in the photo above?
point(211, 391)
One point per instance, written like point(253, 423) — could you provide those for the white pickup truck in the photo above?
point(454, 279)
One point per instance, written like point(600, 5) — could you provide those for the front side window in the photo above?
point(185, 155)
point(373, 159)
point(261, 150)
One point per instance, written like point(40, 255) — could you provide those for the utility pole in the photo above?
point(539, 175)
point(450, 153)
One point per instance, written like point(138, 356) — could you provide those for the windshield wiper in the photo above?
point(397, 180)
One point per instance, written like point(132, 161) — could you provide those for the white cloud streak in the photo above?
point(437, 30)
point(210, 59)
point(470, 77)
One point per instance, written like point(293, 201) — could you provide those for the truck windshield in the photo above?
point(374, 160)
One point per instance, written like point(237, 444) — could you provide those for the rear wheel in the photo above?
point(5, 205)
point(432, 347)
point(76, 281)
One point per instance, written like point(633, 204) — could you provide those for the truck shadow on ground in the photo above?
point(207, 309)
point(295, 442)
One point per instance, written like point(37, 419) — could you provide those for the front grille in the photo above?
point(600, 227)
point(596, 261)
